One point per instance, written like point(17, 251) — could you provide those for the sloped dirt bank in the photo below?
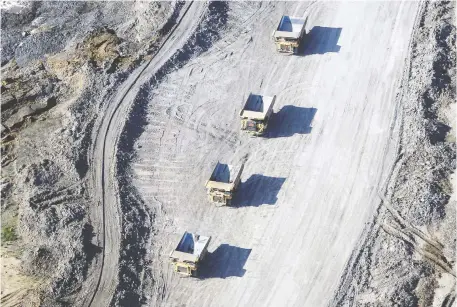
point(408, 254)
point(60, 60)
point(138, 220)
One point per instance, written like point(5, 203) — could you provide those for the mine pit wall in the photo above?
point(407, 258)
point(55, 233)
point(137, 219)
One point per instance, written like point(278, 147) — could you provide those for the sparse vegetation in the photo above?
point(8, 234)
point(446, 186)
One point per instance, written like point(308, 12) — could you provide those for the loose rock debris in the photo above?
point(113, 115)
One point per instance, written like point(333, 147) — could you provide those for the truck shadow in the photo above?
point(320, 40)
point(258, 190)
point(289, 121)
point(225, 261)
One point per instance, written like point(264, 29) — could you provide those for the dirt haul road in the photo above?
point(310, 187)
point(106, 215)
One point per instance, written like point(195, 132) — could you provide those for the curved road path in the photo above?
point(106, 215)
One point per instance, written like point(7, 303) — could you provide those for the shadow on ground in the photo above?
point(290, 120)
point(225, 261)
point(258, 190)
point(320, 40)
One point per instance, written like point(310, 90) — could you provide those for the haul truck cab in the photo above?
point(189, 252)
point(256, 113)
point(223, 183)
point(289, 33)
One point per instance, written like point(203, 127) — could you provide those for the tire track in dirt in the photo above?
point(306, 163)
point(164, 136)
point(105, 146)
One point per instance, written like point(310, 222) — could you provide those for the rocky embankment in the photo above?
point(408, 258)
point(59, 63)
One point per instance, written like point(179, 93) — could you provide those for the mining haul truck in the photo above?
point(289, 33)
point(256, 113)
point(223, 183)
point(191, 250)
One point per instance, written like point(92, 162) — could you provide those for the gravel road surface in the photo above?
point(107, 214)
point(310, 186)
point(345, 200)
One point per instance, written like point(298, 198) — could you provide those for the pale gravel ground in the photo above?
point(298, 222)
point(408, 257)
point(309, 190)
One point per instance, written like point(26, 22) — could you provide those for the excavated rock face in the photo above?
point(59, 62)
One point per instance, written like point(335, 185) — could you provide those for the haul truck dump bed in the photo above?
point(223, 183)
point(289, 33)
point(191, 250)
point(256, 113)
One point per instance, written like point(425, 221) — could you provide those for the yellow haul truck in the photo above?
point(191, 250)
point(289, 33)
point(256, 114)
point(223, 183)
